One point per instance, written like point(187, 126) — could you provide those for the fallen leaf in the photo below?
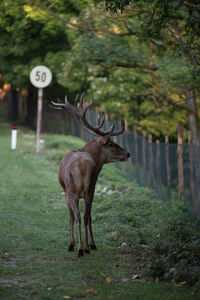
point(114, 233)
point(125, 279)
point(182, 283)
point(124, 244)
point(136, 276)
point(172, 270)
point(91, 291)
point(108, 280)
point(166, 275)
point(117, 292)
point(66, 297)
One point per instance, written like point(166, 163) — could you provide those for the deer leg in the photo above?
point(86, 219)
point(78, 221)
point(72, 242)
point(88, 207)
point(92, 243)
point(71, 222)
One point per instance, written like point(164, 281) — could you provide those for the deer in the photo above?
point(79, 169)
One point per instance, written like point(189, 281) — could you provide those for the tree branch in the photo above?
point(82, 26)
point(126, 65)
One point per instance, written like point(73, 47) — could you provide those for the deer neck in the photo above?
point(96, 153)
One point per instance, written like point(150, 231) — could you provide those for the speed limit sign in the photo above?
point(40, 76)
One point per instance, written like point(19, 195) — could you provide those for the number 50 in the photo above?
point(40, 76)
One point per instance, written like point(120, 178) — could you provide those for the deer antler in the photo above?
point(79, 113)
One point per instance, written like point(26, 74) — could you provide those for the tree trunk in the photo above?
point(193, 116)
point(195, 140)
point(14, 106)
point(31, 109)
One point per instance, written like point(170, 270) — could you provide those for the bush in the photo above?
point(165, 244)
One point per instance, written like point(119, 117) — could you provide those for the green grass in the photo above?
point(128, 222)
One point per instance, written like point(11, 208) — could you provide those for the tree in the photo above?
point(130, 72)
point(28, 39)
point(110, 58)
point(176, 24)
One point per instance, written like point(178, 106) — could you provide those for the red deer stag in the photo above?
point(79, 169)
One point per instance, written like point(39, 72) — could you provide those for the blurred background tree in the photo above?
point(177, 24)
point(138, 59)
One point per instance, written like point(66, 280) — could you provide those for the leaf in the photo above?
point(67, 297)
point(182, 283)
point(136, 276)
point(92, 291)
point(114, 233)
point(125, 279)
point(27, 8)
point(108, 280)
point(117, 292)
point(124, 244)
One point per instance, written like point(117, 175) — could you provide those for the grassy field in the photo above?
point(128, 222)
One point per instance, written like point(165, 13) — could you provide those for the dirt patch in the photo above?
point(10, 262)
point(15, 282)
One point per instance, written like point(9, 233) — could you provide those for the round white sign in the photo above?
point(40, 76)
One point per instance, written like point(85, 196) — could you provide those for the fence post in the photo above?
point(130, 169)
point(192, 182)
point(136, 153)
point(106, 122)
point(158, 168)
point(144, 157)
point(167, 167)
point(180, 163)
point(88, 136)
point(151, 170)
point(71, 125)
point(122, 145)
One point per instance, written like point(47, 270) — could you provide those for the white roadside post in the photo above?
point(40, 77)
point(14, 138)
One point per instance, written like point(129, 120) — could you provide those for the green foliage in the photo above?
point(130, 64)
point(135, 91)
point(180, 17)
point(176, 252)
point(114, 5)
point(175, 71)
point(28, 37)
point(169, 243)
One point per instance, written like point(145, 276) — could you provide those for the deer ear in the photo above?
point(103, 140)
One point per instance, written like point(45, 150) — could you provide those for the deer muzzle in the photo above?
point(126, 157)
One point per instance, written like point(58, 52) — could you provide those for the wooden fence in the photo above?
point(170, 169)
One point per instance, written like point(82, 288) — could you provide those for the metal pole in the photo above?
point(39, 119)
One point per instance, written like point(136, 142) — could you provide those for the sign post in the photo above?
point(40, 77)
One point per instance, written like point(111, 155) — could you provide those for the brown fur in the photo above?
point(78, 174)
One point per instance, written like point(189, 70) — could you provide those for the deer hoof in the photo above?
point(80, 253)
point(71, 248)
point(93, 247)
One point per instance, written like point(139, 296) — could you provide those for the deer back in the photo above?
point(78, 173)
